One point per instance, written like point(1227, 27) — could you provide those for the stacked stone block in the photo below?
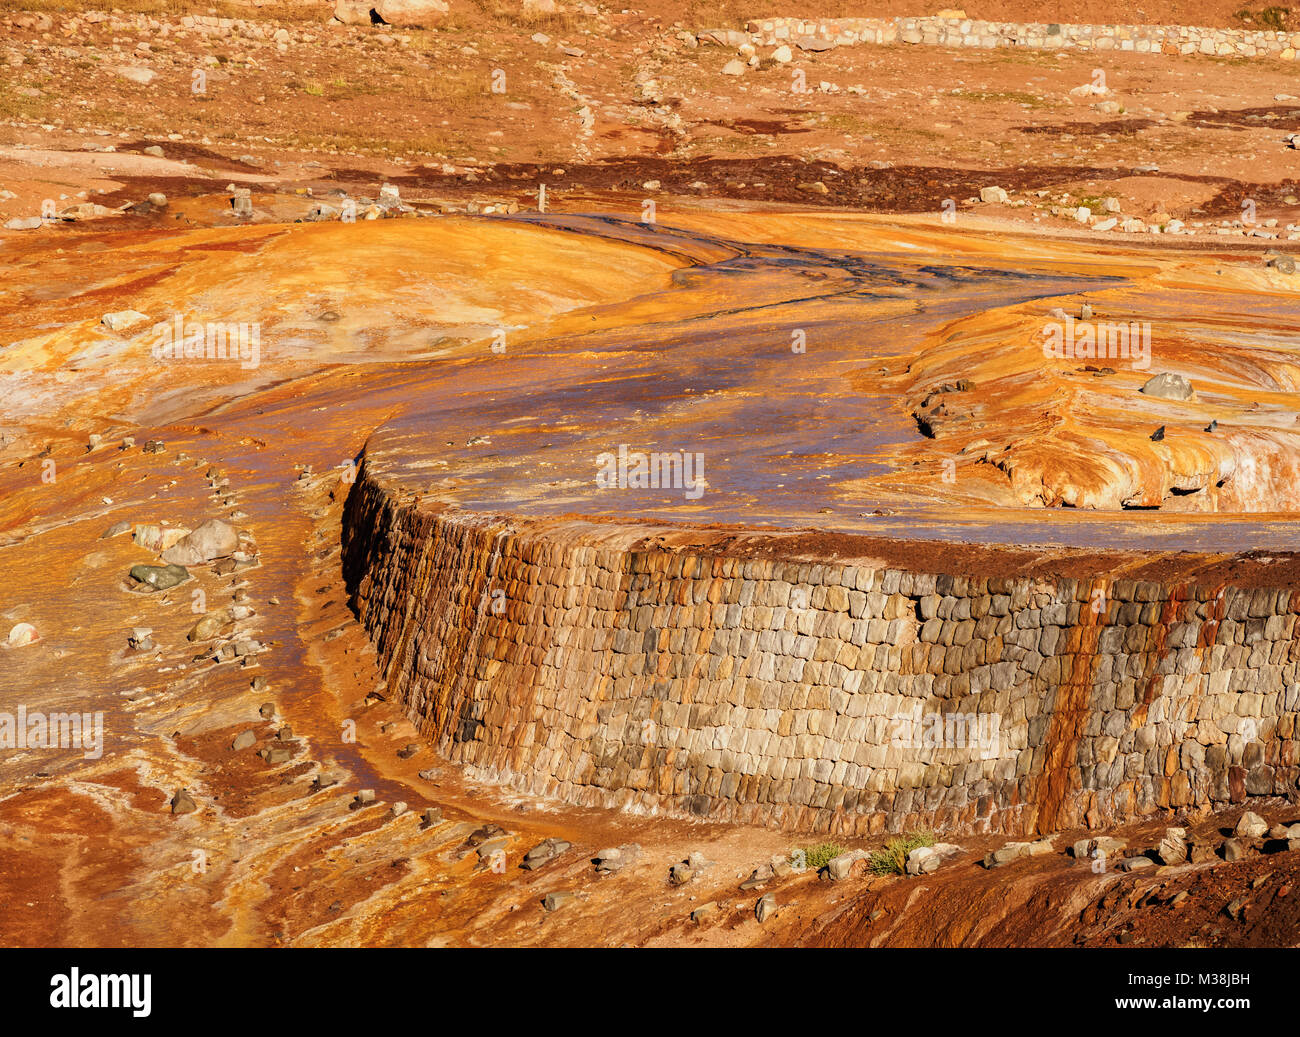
point(568, 660)
point(966, 32)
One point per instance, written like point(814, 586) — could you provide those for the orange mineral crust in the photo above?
point(486, 530)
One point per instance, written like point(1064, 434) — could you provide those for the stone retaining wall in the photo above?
point(966, 32)
point(570, 660)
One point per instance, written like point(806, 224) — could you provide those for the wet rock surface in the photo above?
point(160, 577)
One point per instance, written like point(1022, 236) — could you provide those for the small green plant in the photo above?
point(1003, 97)
point(314, 89)
point(1274, 17)
point(891, 859)
point(815, 857)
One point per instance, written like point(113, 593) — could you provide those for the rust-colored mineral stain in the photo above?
point(1055, 794)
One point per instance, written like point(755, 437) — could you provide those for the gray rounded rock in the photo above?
point(160, 577)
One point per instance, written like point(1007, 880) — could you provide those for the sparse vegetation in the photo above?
point(817, 857)
point(512, 15)
point(848, 122)
point(891, 859)
point(1093, 203)
point(1003, 97)
point(1274, 18)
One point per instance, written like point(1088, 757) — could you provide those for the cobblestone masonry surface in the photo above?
point(967, 32)
point(584, 662)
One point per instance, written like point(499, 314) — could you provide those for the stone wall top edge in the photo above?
point(976, 568)
point(1065, 28)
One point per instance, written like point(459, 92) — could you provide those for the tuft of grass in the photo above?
point(14, 105)
point(847, 122)
point(891, 859)
point(510, 15)
point(1003, 97)
point(1274, 18)
point(817, 857)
